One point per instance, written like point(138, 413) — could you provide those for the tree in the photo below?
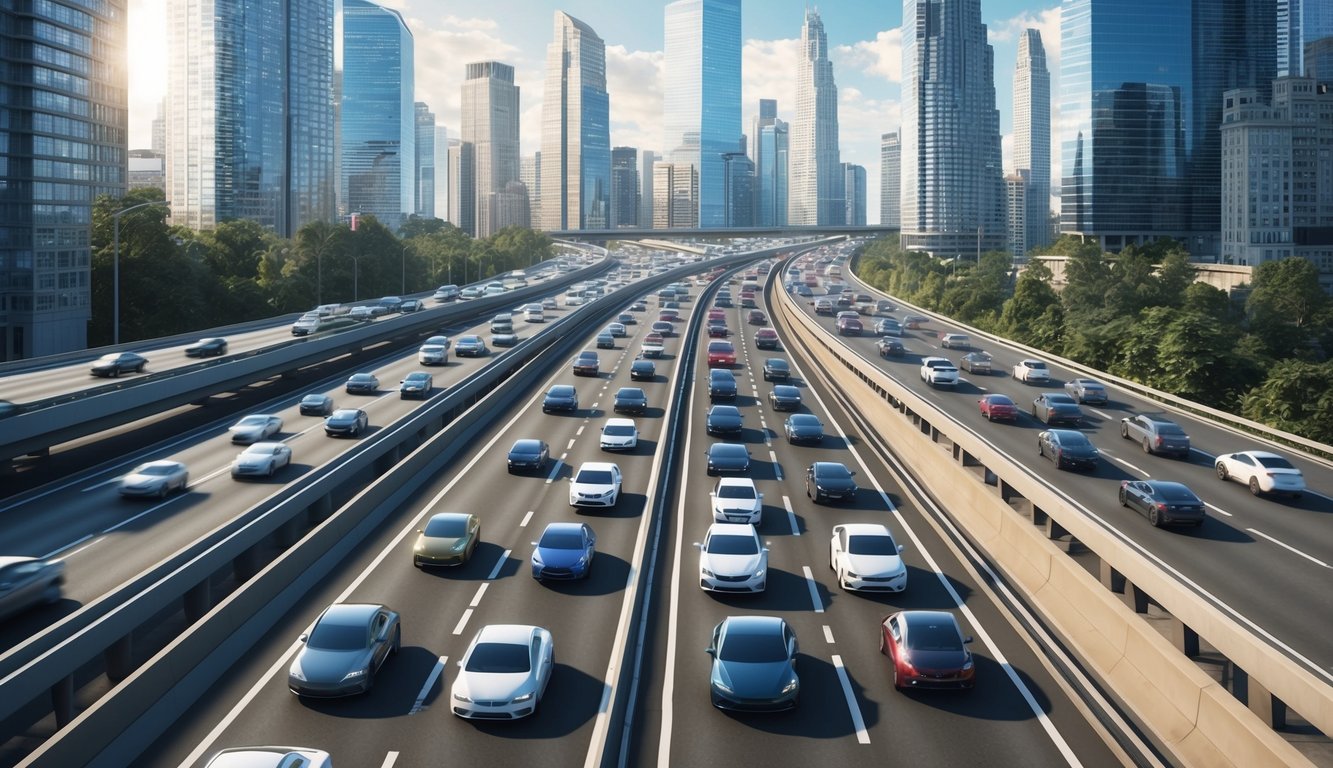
point(1296, 396)
point(1283, 305)
point(236, 246)
point(417, 226)
point(1198, 363)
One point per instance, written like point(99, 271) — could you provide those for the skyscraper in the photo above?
point(251, 128)
point(576, 130)
point(441, 175)
point(530, 173)
point(952, 190)
point(462, 198)
point(624, 187)
point(701, 100)
point(490, 122)
point(1016, 211)
point(771, 168)
point(854, 189)
point(1300, 24)
point(646, 160)
point(676, 191)
point(64, 144)
point(814, 178)
point(425, 166)
point(1032, 137)
point(890, 177)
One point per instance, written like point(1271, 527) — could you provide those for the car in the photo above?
point(718, 330)
point(471, 292)
point(747, 301)
point(888, 326)
point(849, 326)
point(784, 397)
point(652, 346)
point(528, 453)
point(996, 406)
point(977, 363)
point(434, 351)
point(955, 341)
point(445, 293)
point(1163, 502)
point(732, 559)
point(261, 459)
point(1056, 408)
point(883, 306)
point(270, 757)
point(470, 346)
point(155, 478)
point(777, 369)
point(642, 370)
point(417, 384)
point(391, 304)
point(362, 314)
point(721, 385)
point(727, 457)
point(504, 673)
point(843, 300)
point(1087, 391)
point(255, 427)
point(890, 347)
point(664, 328)
point(926, 649)
point(630, 400)
point(721, 354)
point(804, 428)
point(449, 538)
point(549, 303)
point(846, 315)
point(914, 322)
point(939, 372)
point(214, 347)
point(316, 404)
point(766, 338)
point(1157, 434)
point(1031, 372)
point(605, 341)
point(29, 581)
point(639, 306)
point(722, 301)
point(504, 339)
point(823, 307)
point(724, 421)
point(617, 330)
point(736, 500)
point(1262, 472)
point(756, 317)
point(625, 318)
point(586, 363)
point(344, 650)
point(113, 364)
point(350, 422)
point(411, 305)
point(619, 435)
point(362, 384)
point(866, 558)
point(575, 300)
point(595, 484)
point(564, 551)
point(754, 665)
point(560, 397)
point(804, 291)
point(1067, 447)
point(829, 480)
point(717, 315)
point(534, 313)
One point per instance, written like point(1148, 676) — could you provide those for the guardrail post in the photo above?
point(120, 659)
point(1115, 581)
point(198, 601)
point(1184, 638)
point(1135, 598)
point(1269, 708)
point(62, 701)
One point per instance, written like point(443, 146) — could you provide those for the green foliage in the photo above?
point(1296, 396)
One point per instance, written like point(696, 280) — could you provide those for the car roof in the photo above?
point(630, 390)
point(775, 361)
point(1263, 454)
point(349, 613)
point(560, 388)
point(731, 529)
point(8, 560)
point(818, 465)
point(263, 447)
point(620, 422)
point(919, 618)
point(160, 463)
point(345, 412)
point(733, 447)
point(753, 625)
point(512, 634)
point(596, 465)
point(786, 389)
point(724, 409)
point(866, 529)
point(1072, 434)
point(1165, 484)
point(643, 363)
point(527, 442)
point(452, 516)
point(803, 417)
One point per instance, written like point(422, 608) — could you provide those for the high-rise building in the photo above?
point(814, 178)
point(576, 130)
point(441, 172)
point(425, 166)
point(530, 173)
point(146, 170)
point(646, 160)
point(952, 187)
point(1016, 211)
point(890, 177)
point(701, 99)
point(462, 199)
point(251, 124)
point(159, 128)
point(1032, 138)
point(64, 143)
point(490, 122)
point(624, 187)
point(854, 188)
point(676, 187)
point(1300, 23)
point(1319, 60)
point(740, 190)
point(771, 173)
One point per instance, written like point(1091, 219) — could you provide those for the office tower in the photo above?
point(509, 207)
point(1277, 169)
point(768, 115)
point(814, 178)
point(1319, 60)
point(64, 143)
point(159, 128)
point(624, 187)
point(530, 173)
point(1016, 212)
point(576, 130)
point(952, 189)
point(424, 203)
point(490, 123)
point(1300, 24)
point(1032, 137)
point(890, 177)
point(854, 188)
point(440, 144)
point(646, 160)
point(462, 198)
point(676, 191)
point(740, 191)
point(769, 149)
point(701, 100)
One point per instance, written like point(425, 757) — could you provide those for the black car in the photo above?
point(728, 457)
point(586, 363)
point(560, 397)
point(724, 421)
point(785, 397)
point(829, 480)
point(776, 369)
point(528, 453)
point(721, 384)
point(362, 384)
point(1056, 408)
point(642, 370)
point(630, 400)
point(804, 428)
point(1067, 448)
point(316, 404)
point(117, 363)
point(417, 384)
point(214, 347)
point(890, 347)
point(1163, 502)
point(346, 422)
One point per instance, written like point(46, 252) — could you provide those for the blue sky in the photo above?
point(863, 37)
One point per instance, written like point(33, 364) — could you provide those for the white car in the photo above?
point(865, 557)
point(261, 460)
point(595, 484)
point(434, 351)
point(939, 371)
point(619, 435)
point(732, 559)
point(271, 757)
point(573, 300)
point(736, 500)
point(503, 673)
point(156, 478)
point(1262, 471)
point(1031, 371)
point(255, 427)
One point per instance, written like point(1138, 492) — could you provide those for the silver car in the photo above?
point(344, 649)
point(271, 757)
point(28, 581)
point(261, 460)
point(156, 478)
point(255, 427)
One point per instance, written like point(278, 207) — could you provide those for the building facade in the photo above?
point(676, 186)
point(424, 198)
point(576, 130)
point(890, 177)
point(530, 173)
point(624, 187)
point(647, 159)
point(1032, 139)
point(462, 198)
point(1016, 189)
point(440, 146)
point(1300, 23)
point(772, 161)
point(854, 184)
point(815, 177)
point(490, 122)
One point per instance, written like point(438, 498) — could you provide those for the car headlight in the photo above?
point(461, 697)
point(522, 697)
point(460, 545)
point(583, 561)
point(296, 672)
point(791, 685)
point(708, 573)
point(851, 575)
point(759, 573)
point(536, 557)
point(354, 674)
point(967, 665)
point(721, 686)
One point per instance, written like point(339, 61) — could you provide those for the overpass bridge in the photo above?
point(604, 235)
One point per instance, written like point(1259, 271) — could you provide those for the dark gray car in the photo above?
point(116, 363)
point(829, 480)
point(1163, 502)
point(721, 384)
point(725, 421)
point(560, 397)
point(1067, 448)
point(346, 647)
point(348, 422)
point(754, 664)
point(804, 428)
point(784, 397)
point(776, 369)
point(1056, 408)
point(728, 457)
point(630, 400)
point(1156, 434)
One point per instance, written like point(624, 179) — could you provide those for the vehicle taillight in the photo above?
point(1159, 439)
point(1161, 507)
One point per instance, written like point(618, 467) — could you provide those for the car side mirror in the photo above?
point(698, 545)
point(419, 530)
point(967, 639)
point(304, 637)
point(900, 548)
point(710, 650)
point(460, 662)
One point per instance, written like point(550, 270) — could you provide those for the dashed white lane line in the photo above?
point(777, 471)
point(570, 445)
point(1119, 460)
point(828, 634)
point(528, 516)
point(791, 516)
point(129, 520)
point(1218, 510)
point(773, 457)
point(814, 589)
point(389, 760)
point(495, 572)
point(579, 431)
point(555, 471)
point(68, 546)
point(434, 675)
point(462, 622)
point(481, 590)
point(1103, 414)
point(862, 737)
point(1290, 548)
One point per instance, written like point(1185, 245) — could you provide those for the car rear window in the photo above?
point(329, 636)
point(753, 648)
point(871, 545)
point(933, 637)
point(1274, 462)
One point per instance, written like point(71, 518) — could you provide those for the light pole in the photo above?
point(115, 267)
point(356, 276)
point(402, 289)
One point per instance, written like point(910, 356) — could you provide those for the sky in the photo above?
point(863, 38)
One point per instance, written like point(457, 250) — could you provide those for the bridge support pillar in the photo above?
point(1261, 702)
point(120, 659)
point(1111, 578)
point(1184, 638)
point(388, 460)
point(246, 565)
point(198, 601)
point(1135, 598)
point(1039, 516)
point(1053, 529)
point(289, 532)
point(62, 701)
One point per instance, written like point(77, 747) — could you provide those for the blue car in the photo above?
point(564, 551)
point(754, 664)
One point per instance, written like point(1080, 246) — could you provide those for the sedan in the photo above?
point(1156, 434)
point(1031, 372)
point(214, 347)
point(586, 363)
point(865, 557)
point(1056, 408)
point(756, 317)
point(829, 480)
point(625, 318)
point(776, 369)
point(766, 338)
point(732, 559)
point(504, 339)
point(663, 327)
point(116, 363)
point(343, 651)
point(1262, 471)
point(926, 649)
point(1163, 502)
point(717, 329)
point(29, 581)
point(642, 370)
point(256, 427)
point(617, 329)
point(721, 354)
point(721, 385)
point(996, 406)
point(417, 384)
point(261, 459)
point(754, 664)
point(346, 422)
point(528, 453)
point(605, 341)
point(434, 351)
point(939, 372)
point(727, 457)
point(630, 400)
point(270, 757)
point(470, 346)
point(156, 478)
point(736, 500)
point(504, 673)
point(890, 347)
point(724, 421)
point(977, 363)
point(1087, 391)
point(560, 397)
point(888, 326)
point(784, 397)
point(449, 538)
point(362, 384)
point(316, 404)
point(1067, 447)
point(564, 551)
point(595, 484)
point(804, 428)
point(619, 435)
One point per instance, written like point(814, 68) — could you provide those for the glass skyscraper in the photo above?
point(815, 186)
point(490, 122)
point(64, 112)
point(576, 130)
point(624, 187)
point(425, 165)
point(701, 112)
point(890, 177)
point(771, 157)
point(1032, 139)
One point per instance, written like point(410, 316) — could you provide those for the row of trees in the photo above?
point(1140, 315)
point(175, 280)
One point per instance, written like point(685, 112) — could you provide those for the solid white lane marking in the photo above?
point(390, 759)
point(791, 516)
point(481, 590)
point(55, 552)
point(814, 589)
point(1218, 510)
point(495, 572)
point(106, 482)
point(828, 634)
point(862, 737)
point(129, 520)
point(425, 689)
point(527, 517)
point(462, 622)
point(1290, 548)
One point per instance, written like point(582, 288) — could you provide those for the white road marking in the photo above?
point(107, 481)
point(148, 511)
point(55, 552)
point(390, 759)
point(862, 737)
point(570, 445)
point(527, 517)
point(1103, 414)
point(1218, 510)
point(777, 471)
point(814, 589)
point(481, 590)
point(1290, 548)
point(1119, 460)
point(579, 431)
point(791, 516)
point(773, 457)
point(495, 572)
point(425, 689)
point(828, 634)
point(462, 622)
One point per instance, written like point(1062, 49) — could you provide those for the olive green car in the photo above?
point(449, 538)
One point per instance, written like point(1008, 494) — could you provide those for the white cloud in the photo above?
point(634, 80)
point(443, 48)
point(881, 57)
point(768, 71)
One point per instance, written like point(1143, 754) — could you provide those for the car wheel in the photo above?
point(1154, 519)
point(1254, 486)
point(270, 470)
point(1296, 495)
point(1121, 496)
point(1147, 446)
point(1124, 431)
point(1222, 473)
point(162, 491)
point(397, 641)
point(1041, 449)
point(139, 369)
point(52, 594)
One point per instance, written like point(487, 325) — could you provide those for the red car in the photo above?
point(668, 316)
point(757, 317)
point(766, 338)
point(926, 649)
point(717, 314)
point(721, 354)
point(995, 406)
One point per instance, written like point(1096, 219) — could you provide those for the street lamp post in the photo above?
point(115, 267)
point(356, 276)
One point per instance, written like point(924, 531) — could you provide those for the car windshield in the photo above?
point(720, 346)
point(1274, 462)
point(777, 365)
point(618, 430)
point(1092, 386)
point(733, 545)
point(805, 420)
point(871, 545)
point(594, 477)
point(343, 414)
point(330, 636)
point(1074, 440)
point(253, 421)
point(933, 637)
point(416, 378)
point(313, 399)
point(1000, 400)
point(753, 648)
point(630, 394)
point(786, 391)
point(470, 340)
point(729, 451)
point(832, 471)
point(447, 527)
point(499, 658)
point(1035, 365)
point(561, 392)
point(362, 378)
point(561, 540)
point(736, 492)
point(154, 469)
point(527, 446)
